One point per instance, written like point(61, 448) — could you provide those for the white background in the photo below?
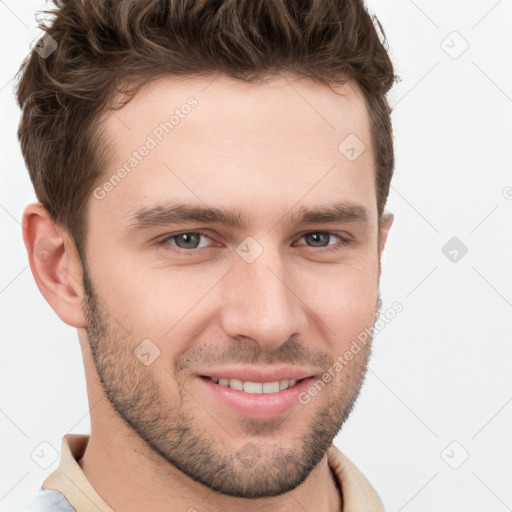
point(441, 370)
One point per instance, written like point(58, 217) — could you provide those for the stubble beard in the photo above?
point(258, 468)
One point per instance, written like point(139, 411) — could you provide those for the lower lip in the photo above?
point(256, 405)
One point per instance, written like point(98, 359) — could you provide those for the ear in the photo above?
point(55, 264)
point(385, 225)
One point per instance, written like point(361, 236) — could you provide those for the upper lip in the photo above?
point(254, 374)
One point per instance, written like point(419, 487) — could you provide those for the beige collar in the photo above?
point(70, 480)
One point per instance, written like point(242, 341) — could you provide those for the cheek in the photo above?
point(345, 299)
point(163, 305)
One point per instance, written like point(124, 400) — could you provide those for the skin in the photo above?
point(158, 439)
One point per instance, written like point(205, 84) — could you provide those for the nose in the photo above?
point(261, 301)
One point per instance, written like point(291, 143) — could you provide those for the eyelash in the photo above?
point(343, 242)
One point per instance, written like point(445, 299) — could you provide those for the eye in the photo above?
point(320, 237)
point(190, 241)
point(186, 241)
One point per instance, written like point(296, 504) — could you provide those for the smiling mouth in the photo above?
point(254, 387)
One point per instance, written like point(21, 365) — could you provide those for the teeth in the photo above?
point(252, 387)
point(271, 387)
point(255, 387)
point(236, 384)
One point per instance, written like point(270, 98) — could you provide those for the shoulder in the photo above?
point(43, 501)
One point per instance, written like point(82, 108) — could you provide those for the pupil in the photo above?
point(188, 236)
point(317, 236)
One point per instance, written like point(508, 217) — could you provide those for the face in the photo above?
point(239, 248)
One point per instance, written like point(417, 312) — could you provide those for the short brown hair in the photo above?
point(103, 45)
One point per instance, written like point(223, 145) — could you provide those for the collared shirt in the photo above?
point(67, 488)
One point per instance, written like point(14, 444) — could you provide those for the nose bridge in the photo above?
point(261, 303)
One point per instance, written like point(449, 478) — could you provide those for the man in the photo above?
point(212, 179)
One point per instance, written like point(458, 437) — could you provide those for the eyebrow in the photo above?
point(161, 215)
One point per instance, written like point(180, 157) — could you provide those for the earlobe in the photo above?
point(55, 266)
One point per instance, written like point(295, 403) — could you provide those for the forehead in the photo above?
point(221, 141)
